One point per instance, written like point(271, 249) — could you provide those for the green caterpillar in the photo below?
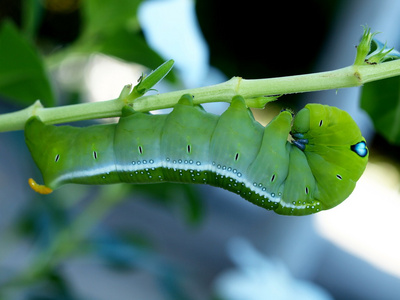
point(316, 170)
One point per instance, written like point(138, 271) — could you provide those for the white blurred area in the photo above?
point(99, 78)
point(106, 76)
point(258, 277)
point(366, 225)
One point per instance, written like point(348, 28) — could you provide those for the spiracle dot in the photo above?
point(151, 161)
point(198, 163)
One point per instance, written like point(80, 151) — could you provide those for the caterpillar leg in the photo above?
point(39, 188)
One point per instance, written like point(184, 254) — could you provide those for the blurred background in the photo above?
point(179, 241)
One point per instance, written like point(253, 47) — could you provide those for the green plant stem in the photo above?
point(252, 90)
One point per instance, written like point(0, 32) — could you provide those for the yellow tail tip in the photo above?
point(41, 189)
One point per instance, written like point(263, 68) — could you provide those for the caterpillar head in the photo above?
point(334, 147)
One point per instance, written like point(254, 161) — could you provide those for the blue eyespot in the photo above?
point(360, 148)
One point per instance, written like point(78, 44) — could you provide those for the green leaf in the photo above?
point(147, 82)
point(381, 100)
point(23, 77)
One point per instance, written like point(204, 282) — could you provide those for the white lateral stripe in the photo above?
point(197, 167)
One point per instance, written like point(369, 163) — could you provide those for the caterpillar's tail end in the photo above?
point(41, 189)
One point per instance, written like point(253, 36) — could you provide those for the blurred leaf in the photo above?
point(54, 287)
point(112, 28)
point(131, 47)
point(122, 251)
point(381, 100)
point(22, 73)
point(191, 204)
point(183, 196)
point(31, 17)
point(43, 220)
point(106, 16)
